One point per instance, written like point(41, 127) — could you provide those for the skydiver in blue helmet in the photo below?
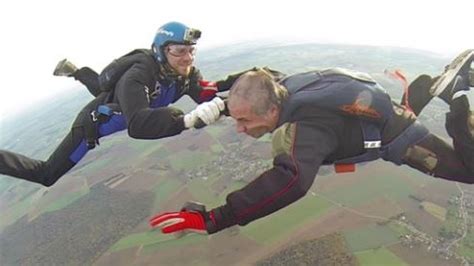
point(132, 93)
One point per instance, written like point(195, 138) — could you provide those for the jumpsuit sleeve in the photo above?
point(299, 149)
point(133, 95)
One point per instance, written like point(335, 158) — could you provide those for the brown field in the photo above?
point(335, 220)
point(196, 140)
point(381, 207)
point(421, 218)
point(141, 180)
point(438, 192)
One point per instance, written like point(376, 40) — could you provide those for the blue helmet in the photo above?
point(173, 32)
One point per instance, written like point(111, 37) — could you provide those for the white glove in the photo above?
point(208, 112)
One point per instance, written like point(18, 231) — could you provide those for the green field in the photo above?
point(16, 211)
point(215, 130)
point(216, 148)
point(378, 257)
point(370, 237)
point(187, 160)
point(164, 189)
point(92, 168)
point(236, 185)
point(467, 245)
point(281, 223)
point(65, 201)
point(369, 188)
point(401, 230)
point(169, 241)
point(201, 190)
point(145, 148)
point(435, 210)
point(466, 251)
point(138, 239)
point(154, 239)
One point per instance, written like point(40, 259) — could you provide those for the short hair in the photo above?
point(260, 89)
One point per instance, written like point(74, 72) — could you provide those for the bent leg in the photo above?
point(89, 78)
point(460, 127)
point(434, 156)
point(66, 155)
point(418, 93)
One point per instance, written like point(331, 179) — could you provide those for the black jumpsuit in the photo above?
point(310, 136)
point(142, 95)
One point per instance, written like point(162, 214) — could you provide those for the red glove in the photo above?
point(172, 222)
point(209, 90)
point(193, 217)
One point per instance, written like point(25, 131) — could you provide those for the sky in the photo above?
point(37, 34)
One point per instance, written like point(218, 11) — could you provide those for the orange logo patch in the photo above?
point(359, 109)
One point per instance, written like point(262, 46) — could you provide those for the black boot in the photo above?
point(418, 93)
point(65, 68)
point(455, 78)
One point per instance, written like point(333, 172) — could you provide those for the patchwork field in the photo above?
point(380, 215)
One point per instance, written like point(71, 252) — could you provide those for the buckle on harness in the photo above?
point(374, 144)
point(94, 116)
point(103, 112)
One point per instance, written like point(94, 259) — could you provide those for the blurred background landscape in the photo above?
point(98, 213)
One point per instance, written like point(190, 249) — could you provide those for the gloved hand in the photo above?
point(172, 222)
point(192, 218)
point(209, 90)
point(208, 112)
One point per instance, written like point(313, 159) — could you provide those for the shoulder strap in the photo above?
point(109, 77)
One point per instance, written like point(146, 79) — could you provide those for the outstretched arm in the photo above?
point(300, 149)
point(202, 90)
point(133, 95)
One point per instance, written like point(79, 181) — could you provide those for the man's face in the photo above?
point(250, 123)
point(180, 57)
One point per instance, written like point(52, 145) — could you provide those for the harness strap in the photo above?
point(372, 143)
point(393, 151)
point(91, 127)
point(371, 134)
